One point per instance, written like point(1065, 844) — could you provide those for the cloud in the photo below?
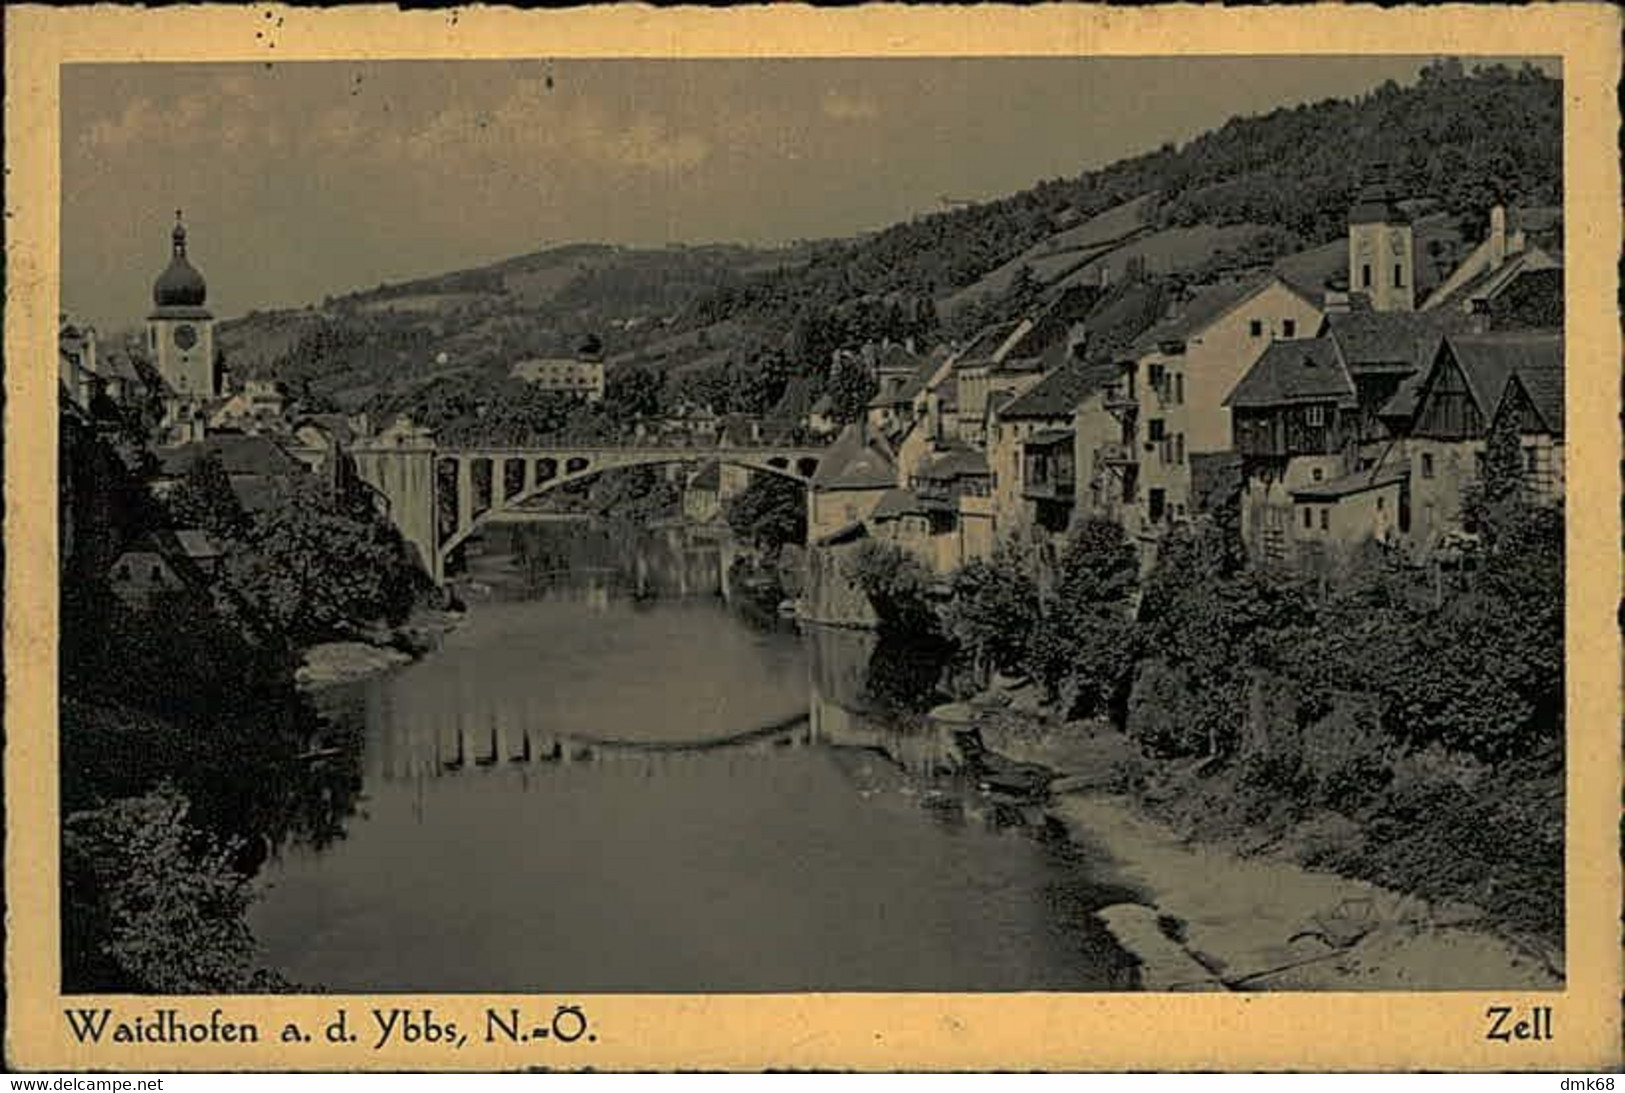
point(179, 121)
point(531, 122)
point(843, 107)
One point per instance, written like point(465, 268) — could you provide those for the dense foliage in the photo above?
point(769, 513)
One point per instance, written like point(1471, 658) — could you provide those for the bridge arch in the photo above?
point(797, 465)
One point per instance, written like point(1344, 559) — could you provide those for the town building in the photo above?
point(1170, 398)
point(1473, 381)
point(1032, 448)
point(702, 494)
point(854, 474)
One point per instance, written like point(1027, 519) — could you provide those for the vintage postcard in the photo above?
point(894, 538)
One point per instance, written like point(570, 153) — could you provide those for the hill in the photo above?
point(356, 349)
point(1274, 188)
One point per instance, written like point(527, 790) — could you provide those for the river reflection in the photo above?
point(605, 783)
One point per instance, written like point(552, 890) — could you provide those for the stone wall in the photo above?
point(830, 596)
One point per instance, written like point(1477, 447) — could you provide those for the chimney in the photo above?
point(1498, 236)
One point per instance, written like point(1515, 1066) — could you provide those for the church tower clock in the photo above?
point(180, 330)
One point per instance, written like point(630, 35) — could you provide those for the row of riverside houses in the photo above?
point(1340, 396)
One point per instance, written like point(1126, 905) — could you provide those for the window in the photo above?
point(1317, 474)
point(1289, 328)
point(1179, 388)
point(1158, 505)
point(1308, 517)
point(1155, 429)
point(1365, 275)
point(1256, 328)
point(1531, 460)
point(122, 573)
point(1380, 500)
point(1399, 276)
point(1155, 376)
point(1427, 464)
point(1315, 416)
point(156, 575)
point(1325, 519)
point(1179, 447)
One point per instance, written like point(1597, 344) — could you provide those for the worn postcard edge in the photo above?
point(836, 1031)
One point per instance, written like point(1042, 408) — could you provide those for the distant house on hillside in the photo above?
point(581, 375)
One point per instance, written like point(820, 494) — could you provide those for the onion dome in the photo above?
point(180, 285)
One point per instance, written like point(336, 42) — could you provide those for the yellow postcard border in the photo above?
point(836, 1031)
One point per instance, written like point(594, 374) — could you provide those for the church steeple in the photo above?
point(180, 330)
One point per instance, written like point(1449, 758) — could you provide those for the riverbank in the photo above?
point(1215, 914)
point(334, 662)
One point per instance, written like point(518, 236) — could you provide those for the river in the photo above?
point(608, 779)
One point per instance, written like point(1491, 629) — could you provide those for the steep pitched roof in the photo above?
point(1492, 282)
point(1208, 306)
point(1059, 393)
point(1491, 361)
point(982, 349)
point(856, 462)
point(958, 463)
point(1309, 370)
point(900, 502)
point(239, 454)
point(1391, 340)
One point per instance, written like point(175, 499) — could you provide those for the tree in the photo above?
point(318, 572)
point(204, 499)
point(898, 585)
point(633, 391)
point(152, 904)
point(851, 386)
point(992, 615)
point(1084, 645)
point(769, 512)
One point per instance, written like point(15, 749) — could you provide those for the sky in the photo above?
point(308, 179)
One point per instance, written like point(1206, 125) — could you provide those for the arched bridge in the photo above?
point(484, 483)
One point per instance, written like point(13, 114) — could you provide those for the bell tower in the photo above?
point(180, 330)
point(1382, 250)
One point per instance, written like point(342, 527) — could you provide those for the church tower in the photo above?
point(180, 330)
point(1382, 251)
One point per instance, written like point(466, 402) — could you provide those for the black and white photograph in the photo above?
point(535, 533)
point(812, 525)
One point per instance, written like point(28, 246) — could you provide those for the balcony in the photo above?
point(1117, 455)
point(1061, 490)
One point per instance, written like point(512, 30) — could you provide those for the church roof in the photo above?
point(180, 285)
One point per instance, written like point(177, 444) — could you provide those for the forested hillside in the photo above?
point(1257, 188)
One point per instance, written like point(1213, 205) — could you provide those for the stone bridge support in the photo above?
point(402, 478)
